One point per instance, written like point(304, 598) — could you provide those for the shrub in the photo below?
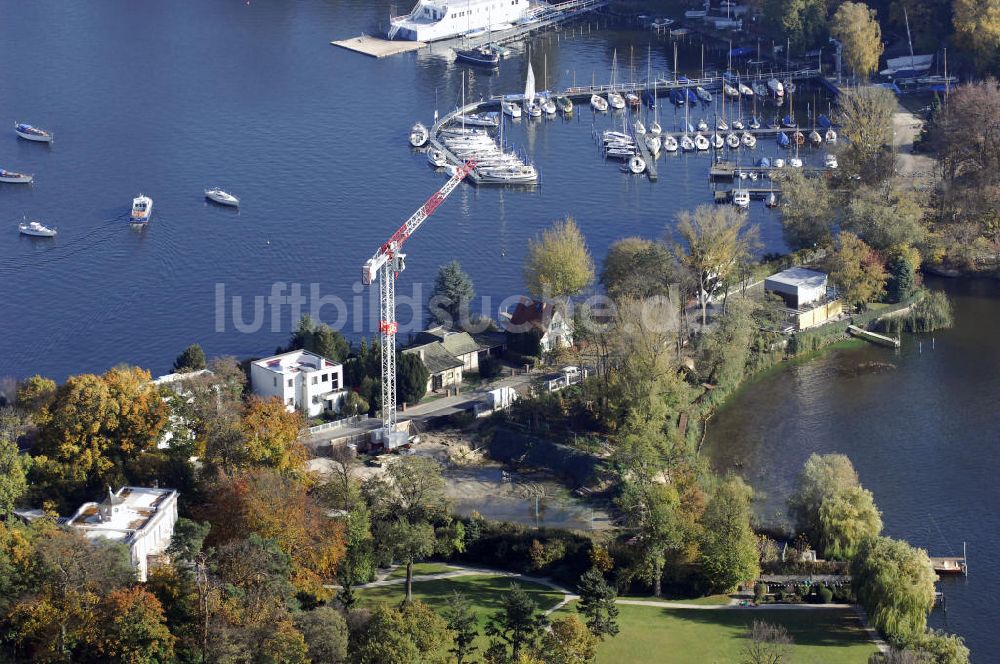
point(490, 367)
point(760, 592)
point(825, 595)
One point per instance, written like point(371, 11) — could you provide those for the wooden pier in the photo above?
point(874, 337)
point(949, 565)
point(647, 157)
point(727, 170)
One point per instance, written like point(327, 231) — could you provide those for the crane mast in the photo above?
point(386, 265)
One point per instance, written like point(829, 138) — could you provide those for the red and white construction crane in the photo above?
point(386, 265)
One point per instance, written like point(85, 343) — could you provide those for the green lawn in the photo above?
point(693, 636)
point(420, 568)
point(483, 591)
point(710, 600)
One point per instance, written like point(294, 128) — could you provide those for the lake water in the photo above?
point(924, 438)
point(170, 98)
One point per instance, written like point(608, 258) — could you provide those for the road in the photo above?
point(458, 402)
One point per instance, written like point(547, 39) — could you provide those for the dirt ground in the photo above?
point(917, 168)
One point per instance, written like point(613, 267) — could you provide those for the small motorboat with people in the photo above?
point(717, 141)
point(510, 108)
point(564, 104)
point(221, 197)
point(637, 164)
point(418, 135)
point(598, 103)
point(741, 198)
point(30, 133)
point(142, 209)
point(481, 56)
point(14, 177)
point(748, 139)
point(36, 229)
point(830, 161)
point(436, 158)
point(733, 140)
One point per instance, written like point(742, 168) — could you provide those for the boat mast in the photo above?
point(908, 39)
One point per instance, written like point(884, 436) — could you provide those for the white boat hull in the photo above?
point(222, 198)
point(16, 178)
point(38, 138)
point(35, 229)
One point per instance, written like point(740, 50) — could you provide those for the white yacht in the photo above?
point(653, 144)
point(669, 143)
point(511, 109)
point(142, 209)
point(599, 103)
point(749, 140)
point(29, 133)
point(11, 176)
point(741, 198)
point(36, 229)
point(433, 20)
point(700, 143)
point(436, 158)
point(776, 88)
point(830, 161)
point(418, 135)
point(221, 197)
point(616, 100)
point(637, 164)
point(640, 129)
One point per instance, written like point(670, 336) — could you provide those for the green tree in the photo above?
point(651, 509)
point(132, 629)
point(715, 241)
point(885, 217)
point(637, 268)
point(452, 296)
point(597, 603)
point(464, 625)
point(808, 209)
point(358, 565)
point(802, 21)
point(857, 271)
point(384, 640)
point(821, 477)
point(902, 280)
point(846, 518)
point(729, 553)
point(558, 264)
point(35, 395)
point(854, 24)
point(568, 641)
point(942, 648)
point(517, 625)
point(13, 476)
point(411, 378)
point(325, 633)
point(317, 338)
point(866, 117)
point(894, 582)
point(192, 359)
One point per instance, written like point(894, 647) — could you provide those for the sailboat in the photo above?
point(548, 104)
point(615, 99)
point(687, 145)
point(654, 127)
point(530, 107)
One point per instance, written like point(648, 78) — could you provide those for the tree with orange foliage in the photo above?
point(272, 433)
point(277, 507)
point(131, 628)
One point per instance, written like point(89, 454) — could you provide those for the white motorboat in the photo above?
point(655, 129)
point(669, 143)
point(491, 120)
point(29, 133)
point(795, 162)
point(418, 135)
point(433, 20)
point(142, 209)
point(511, 109)
point(598, 103)
point(36, 229)
point(523, 174)
point(745, 90)
point(733, 140)
point(831, 136)
point(730, 91)
point(778, 163)
point(436, 158)
point(221, 197)
point(700, 143)
point(687, 145)
point(741, 198)
point(776, 88)
point(549, 107)
point(15, 178)
point(532, 110)
point(640, 128)
point(565, 104)
point(616, 101)
point(718, 142)
point(703, 94)
point(830, 161)
point(637, 164)
point(748, 139)
point(653, 144)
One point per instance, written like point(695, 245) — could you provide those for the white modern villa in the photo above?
point(141, 518)
point(432, 20)
point(301, 379)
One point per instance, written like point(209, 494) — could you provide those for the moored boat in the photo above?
point(830, 161)
point(703, 94)
point(436, 158)
point(783, 140)
point(491, 120)
point(548, 107)
point(15, 178)
point(745, 90)
point(830, 136)
point(30, 133)
point(221, 197)
point(718, 142)
point(36, 229)
point(653, 144)
point(701, 143)
point(637, 164)
point(598, 103)
point(655, 129)
point(640, 128)
point(748, 139)
point(669, 143)
point(142, 209)
point(741, 198)
point(733, 140)
point(564, 104)
point(687, 145)
point(776, 88)
point(481, 56)
point(418, 135)
point(511, 109)
point(616, 101)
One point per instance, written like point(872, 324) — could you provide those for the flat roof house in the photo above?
point(141, 518)
point(805, 293)
point(301, 380)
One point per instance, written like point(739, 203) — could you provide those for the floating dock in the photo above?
point(647, 157)
point(873, 337)
point(949, 565)
point(378, 47)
